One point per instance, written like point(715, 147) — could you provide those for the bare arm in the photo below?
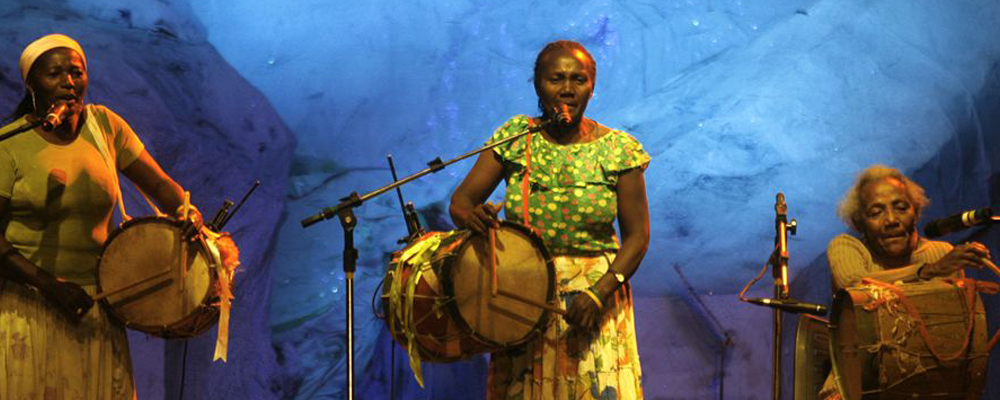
point(633, 222)
point(150, 178)
point(14, 267)
point(467, 209)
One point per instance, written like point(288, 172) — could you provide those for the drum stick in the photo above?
point(186, 206)
point(185, 210)
point(989, 264)
point(107, 293)
point(494, 285)
point(525, 300)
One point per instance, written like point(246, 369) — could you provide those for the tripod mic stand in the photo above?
point(345, 212)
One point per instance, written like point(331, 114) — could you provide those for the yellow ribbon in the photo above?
point(225, 267)
point(419, 255)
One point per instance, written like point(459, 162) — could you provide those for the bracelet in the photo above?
point(595, 297)
point(919, 270)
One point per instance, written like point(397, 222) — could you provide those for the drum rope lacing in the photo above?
point(971, 287)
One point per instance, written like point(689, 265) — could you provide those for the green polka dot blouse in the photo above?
point(572, 200)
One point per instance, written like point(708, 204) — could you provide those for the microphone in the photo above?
point(563, 117)
point(957, 222)
point(792, 306)
point(57, 113)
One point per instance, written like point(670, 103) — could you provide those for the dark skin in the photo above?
point(60, 75)
point(888, 225)
point(564, 79)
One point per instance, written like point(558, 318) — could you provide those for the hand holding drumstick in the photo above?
point(965, 255)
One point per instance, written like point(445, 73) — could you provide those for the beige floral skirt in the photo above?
point(46, 356)
point(564, 363)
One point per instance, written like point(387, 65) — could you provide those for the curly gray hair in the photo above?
point(849, 209)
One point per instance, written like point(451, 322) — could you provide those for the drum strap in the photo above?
point(970, 297)
point(98, 134)
point(526, 182)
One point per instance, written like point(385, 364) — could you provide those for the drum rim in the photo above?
point(159, 330)
point(449, 289)
point(841, 299)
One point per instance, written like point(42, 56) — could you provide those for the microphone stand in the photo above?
point(779, 270)
point(345, 212)
point(21, 129)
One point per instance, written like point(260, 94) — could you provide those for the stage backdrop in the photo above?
point(735, 100)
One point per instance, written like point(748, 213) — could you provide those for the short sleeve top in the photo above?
point(572, 199)
point(62, 195)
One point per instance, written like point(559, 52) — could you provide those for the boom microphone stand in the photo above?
point(345, 212)
point(21, 129)
point(781, 301)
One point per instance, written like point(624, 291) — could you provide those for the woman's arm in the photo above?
point(150, 178)
point(69, 297)
point(633, 222)
point(467, 209)
point(850, 261)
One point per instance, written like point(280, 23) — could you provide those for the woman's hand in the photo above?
point(584, 313)
point(480, 219)
point(964, 255)
point(467, 206)
point(192, 220)
point(69, 298)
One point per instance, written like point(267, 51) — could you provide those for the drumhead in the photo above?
point(523, 267)
point(145, 247)
point(812, 356)
point(844, 355)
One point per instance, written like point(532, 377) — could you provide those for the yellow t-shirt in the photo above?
point(62, 196)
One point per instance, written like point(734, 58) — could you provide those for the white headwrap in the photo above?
point(43, 44)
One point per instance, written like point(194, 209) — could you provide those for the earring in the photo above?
point(34, 104)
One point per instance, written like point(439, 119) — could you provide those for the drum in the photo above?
point(439, 298)
point(156, 283)
point(812, 356)
point(879, 352)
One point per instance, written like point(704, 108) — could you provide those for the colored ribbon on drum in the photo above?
point(419, 255)
point(225, 258)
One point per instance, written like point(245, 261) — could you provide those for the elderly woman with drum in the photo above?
point(568, 182)
point(58, 187)
point(883, 207)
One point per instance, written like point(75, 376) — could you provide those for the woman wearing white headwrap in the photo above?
point(57, 192)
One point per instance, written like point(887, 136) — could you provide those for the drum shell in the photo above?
point(137, 249)
point(865, 370)
point(441, 332)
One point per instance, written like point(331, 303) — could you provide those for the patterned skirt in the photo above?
point(565, 363)
point(48, 357)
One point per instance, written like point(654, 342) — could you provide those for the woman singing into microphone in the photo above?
point(57, 192)
point(569, 182)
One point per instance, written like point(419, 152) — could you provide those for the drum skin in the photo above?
point(454, 314)
point(174, 306)
point(812, 356)
point(878, 352)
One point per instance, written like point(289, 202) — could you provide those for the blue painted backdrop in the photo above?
point(735, 100)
